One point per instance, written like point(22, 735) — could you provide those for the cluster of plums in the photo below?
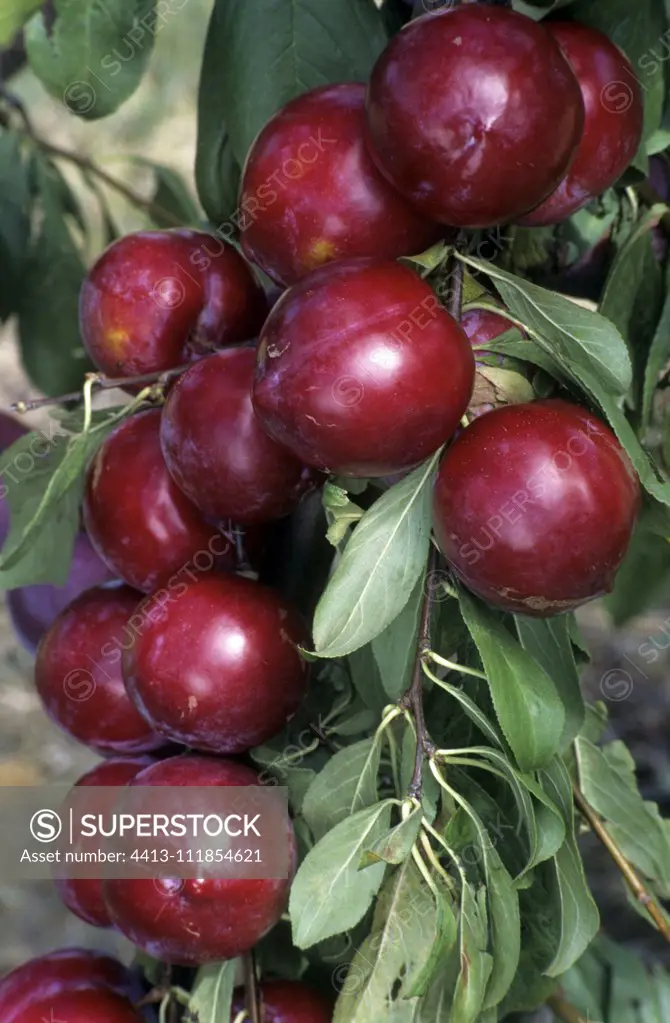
point(79, 986)
point(472, 118)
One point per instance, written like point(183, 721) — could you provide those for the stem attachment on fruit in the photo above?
point(631, 877)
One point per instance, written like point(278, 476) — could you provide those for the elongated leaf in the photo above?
point(347, 783)
point(548, 642)
point(395, 647)
point(15, 205)
point(633, 296)
point(42, 481)
point(643, 577)
point(476, 963)
point(48, 300)
point(212, 993)
point(172, 196)
point(579, 919)
point(659, 353)
point(502, 902)
point(94, 55)
point(330, 894)
point(403, 933)
point(217, 172)
point(303, 44)
point(396, 845)
point(526, 701)
point(607, 778)
point(581, 341)
point(379, 568)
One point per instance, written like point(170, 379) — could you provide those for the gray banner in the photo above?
point(144, 832)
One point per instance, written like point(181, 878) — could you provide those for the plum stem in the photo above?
point(99, 383)
point(251, 989)
point(634, 882)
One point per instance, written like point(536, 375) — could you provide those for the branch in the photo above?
point(85, 164)
point(565, 1011)
point(413, 698)
point(100, 383)
point(134, 198)
point(631, 877)
point(251, 990)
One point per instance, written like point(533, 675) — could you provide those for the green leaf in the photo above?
point(582, 342)
point(48, 304)
point(171, 195)
point(341, 513)
point(212, 992)
point(303, 44)
point(643, 577)
point(379, 567)
point(13, 15)
point(502, 903)
point(330, 894)
point(78, 58)
point(217, 172)
point(347, 783)
point(366, 679)
point(573, 901)
point(607, 779)
point(526, 701)
point(627, 295)
point(396, 845)
point(476, 963)
point(548, 642)
point(15, 204)
point(42, 480)
point(404, 931)
point(659, 354)
point(395, 648)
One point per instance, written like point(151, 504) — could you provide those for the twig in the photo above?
point(565, 1011)
point(133, 197)
point(631, 877)
point(413, 698)
point(100, 383)
point(85, 164)
point(252, 996)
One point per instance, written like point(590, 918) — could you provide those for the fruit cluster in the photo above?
point(472, 118)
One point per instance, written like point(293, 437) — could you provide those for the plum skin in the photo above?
point(191, 922)
point(154, 300)
point(474, 114)
point(612, 126)
point(216, 449)
point(78, 673)
point(219, 670)
point(534, 506)
point(338, 205)
point(142, 525)
point(361, 372)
